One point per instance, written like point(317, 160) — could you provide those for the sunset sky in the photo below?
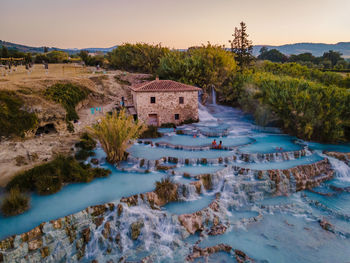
point(174, 23)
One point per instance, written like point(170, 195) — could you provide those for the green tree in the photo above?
point(206, 66)
point(303, 57)
point(333, 57)
point(4, 52)
point(57, 56)
point(138, 57)
point(241, 46)
point(273, 55)
point(28, 58)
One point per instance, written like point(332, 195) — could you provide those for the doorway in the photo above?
point(153, 119)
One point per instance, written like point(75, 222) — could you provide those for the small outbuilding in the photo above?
point(165, 101)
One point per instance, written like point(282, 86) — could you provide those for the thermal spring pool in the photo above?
point(267, 197)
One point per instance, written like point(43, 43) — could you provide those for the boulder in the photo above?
point(135, 229)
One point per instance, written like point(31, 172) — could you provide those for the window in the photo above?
point(177, 116)
point(181, 100)
point(153, 99)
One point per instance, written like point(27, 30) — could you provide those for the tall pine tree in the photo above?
point(241, 46)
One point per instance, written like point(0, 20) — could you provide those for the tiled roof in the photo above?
point(163, 85)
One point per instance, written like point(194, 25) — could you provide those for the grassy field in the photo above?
point(38, 72)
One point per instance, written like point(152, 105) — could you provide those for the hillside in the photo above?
point(24, 48)
point(317, 49)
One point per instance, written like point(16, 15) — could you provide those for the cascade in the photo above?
point(213, 95)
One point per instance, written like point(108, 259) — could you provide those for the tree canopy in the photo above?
point(138, 57)
point(203, 66)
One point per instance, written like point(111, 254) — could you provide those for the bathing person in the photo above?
point(220, 145)
point(213, 144)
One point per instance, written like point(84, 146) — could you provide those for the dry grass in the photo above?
point(38, 72)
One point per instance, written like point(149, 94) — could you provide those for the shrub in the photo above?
point(189, 121)
point(48, 178)
point(166, 190)
point(168, 125)
point(180, 132)
point(82, 154)
point(15, 203)
point(68, 95)
point(115, 133)
point(14, 118)
point(151, 132)
point(86, 145)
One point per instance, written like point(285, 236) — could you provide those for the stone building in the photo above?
point(165, 101)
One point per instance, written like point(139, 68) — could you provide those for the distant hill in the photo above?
point(317, 49)
point(24, 48)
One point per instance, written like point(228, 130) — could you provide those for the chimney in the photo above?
point(157, 77)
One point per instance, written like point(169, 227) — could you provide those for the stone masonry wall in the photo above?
point(166, 106)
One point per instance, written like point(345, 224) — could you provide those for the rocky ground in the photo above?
point(17, 154)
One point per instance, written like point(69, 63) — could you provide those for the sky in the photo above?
point(174, 23)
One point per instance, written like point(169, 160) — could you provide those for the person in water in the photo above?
point(213, 144)
point(220, 145)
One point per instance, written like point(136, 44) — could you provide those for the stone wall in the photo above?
point(166, 106)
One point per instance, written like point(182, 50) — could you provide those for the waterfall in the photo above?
point(342, 170)
point(213, 95)
point(204, 115)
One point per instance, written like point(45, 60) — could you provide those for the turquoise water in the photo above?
point(156, 153)
point(188, 207)
point(339, 202)
point(187, 140)
point(199, 169)
point(329, 147)
point(285, 238)
point(281, 165)
point(76, 197)
point(288, 231)
point(269, 143)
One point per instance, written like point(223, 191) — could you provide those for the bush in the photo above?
point(151, 132)
point(15, 203)
point(180, 132)
point(14, 119)
point(168, 125)
point(189, 121)
point(68, 95)
point(115, 133)
point(86, 144)
point(82, 154)
point(306, 109)
point(49, 178)
point(166, 190)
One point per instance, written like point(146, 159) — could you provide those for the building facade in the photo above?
point(165, 101)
